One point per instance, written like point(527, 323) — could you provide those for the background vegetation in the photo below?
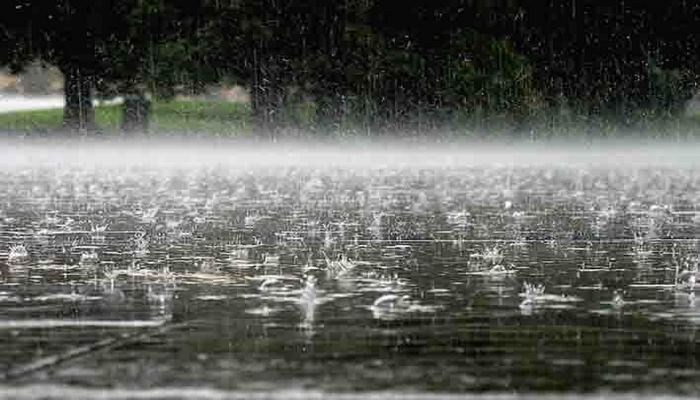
point(364, 66)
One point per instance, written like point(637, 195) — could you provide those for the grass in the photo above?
point(184, 117)
point(216, 117)
point(175, 117)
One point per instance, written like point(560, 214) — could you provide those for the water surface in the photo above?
point(407, 272)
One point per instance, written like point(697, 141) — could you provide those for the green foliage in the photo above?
point(210, 117)
point(175, 117)
point(364, 64)
point(46, 121)
point(489, 75)
point(669, 89)
point(611, 57)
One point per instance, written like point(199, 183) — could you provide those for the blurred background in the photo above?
point(353, 67)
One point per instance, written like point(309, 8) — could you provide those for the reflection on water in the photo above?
point(418, 279)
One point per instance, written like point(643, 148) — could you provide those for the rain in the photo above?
point(349, 199)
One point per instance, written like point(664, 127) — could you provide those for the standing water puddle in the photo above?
point(414, 277)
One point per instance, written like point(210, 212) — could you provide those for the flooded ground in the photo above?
point(278, 274)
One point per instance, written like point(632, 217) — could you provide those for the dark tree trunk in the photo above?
point(135, 113)
point(78, 113)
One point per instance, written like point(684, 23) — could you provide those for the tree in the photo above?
point(614, 57)
point(64, 33)
point(439, 56)
point(107, 48)
point(155, 50)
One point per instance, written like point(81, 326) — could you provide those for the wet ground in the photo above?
point(311, 278)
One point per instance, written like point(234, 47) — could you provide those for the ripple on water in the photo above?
point(302, 273)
